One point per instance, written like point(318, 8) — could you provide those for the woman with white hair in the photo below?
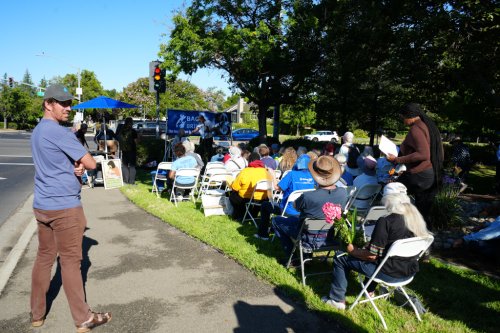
point(403, 221)
point(189, 146)
point(351, 153)
point(236, 161)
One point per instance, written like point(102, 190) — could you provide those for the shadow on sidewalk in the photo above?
point(56, 282)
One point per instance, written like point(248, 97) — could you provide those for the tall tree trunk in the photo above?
point(262, 122)
point(276, 122)
point(297, 133)
point(374, 120)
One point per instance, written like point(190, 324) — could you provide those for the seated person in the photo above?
point(404, 221)
point(287, 160)
point(106, 133)
point(367, 177)
point(189, 146)
point(383, 169)
point(180, 137)
point(486, 239)
point(219, 155)
point(268, 161)
point(326, 171)
point(182, 162)
point(298, 179)
point(346, 178)
point(244, 184)
point(236, 161)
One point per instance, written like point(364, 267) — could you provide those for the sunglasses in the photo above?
point(65, 103)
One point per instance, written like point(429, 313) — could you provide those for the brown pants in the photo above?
point(59, 232)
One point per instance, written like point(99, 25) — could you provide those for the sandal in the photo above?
point(97, 319)
point(37, 322)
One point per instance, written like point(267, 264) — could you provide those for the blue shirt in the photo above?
point(491, 231)
point(269, 162)
point(310, 204)
point(55, 149)
point(184, 162)
point(293, 181)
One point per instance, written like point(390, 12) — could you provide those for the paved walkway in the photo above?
point(154, 279)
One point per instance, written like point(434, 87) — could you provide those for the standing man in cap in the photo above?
point(326, 171)
point(60, 160)
point(206, 137)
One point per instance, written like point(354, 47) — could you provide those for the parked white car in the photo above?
point(323, 136)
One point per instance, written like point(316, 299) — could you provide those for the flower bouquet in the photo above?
point(344, 224)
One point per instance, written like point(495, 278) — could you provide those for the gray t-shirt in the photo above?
point(55, 149)
point(310, 204)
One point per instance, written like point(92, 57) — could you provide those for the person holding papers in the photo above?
point(422, 153)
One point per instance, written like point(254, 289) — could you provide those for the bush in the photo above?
point(359, 133)
point(446, 210)
point(479, 153)
point(150, 150)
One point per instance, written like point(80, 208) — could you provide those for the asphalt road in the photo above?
point(16, 171)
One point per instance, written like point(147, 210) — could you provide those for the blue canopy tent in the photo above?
point(103, 102)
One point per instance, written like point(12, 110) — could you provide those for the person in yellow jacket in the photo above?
point(244, 184)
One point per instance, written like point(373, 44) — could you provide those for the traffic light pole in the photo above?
point(157, 115)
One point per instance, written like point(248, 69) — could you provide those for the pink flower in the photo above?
point(332, 212)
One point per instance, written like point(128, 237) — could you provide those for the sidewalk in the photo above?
point(155, 279)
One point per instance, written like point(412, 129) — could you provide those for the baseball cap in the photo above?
point(57, 92)
point(394, 188)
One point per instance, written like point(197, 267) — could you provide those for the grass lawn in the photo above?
point(458, 300)
point(482, 179)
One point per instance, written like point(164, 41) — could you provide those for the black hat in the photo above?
point(57, 92)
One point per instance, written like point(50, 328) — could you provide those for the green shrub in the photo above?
point(150, 150)
point(479, 152)
point(446, 210)
point(359, 133)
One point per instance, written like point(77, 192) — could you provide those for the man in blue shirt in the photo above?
point(298, 179)
point(60, 160)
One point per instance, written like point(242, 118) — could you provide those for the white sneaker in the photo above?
point(260, 237)
point(332, 303)
point(180, 198)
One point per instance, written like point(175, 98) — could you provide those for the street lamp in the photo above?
point(79, 90)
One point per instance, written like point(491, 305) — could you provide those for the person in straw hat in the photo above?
point(325, 171)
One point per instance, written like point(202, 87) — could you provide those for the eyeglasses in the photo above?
point(65, 103)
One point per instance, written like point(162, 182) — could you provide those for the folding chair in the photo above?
point(290, 201)
point(277, 174)
point(366, 194)
point(373, 215)
point(261, 186)
point(188, 172)
point(409, 247)
point(161, 176)
point(315, 228)
point(205, 179)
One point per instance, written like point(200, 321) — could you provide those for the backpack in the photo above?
point(352, 157)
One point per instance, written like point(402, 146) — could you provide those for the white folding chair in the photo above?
point(407, 248)
point(315, 228)
point(363, 198)
point(290, 201)
point(277, 174)
point(160, 176)
point(373, 215)
point(205, 179)
point(261, 186)
point(189, 172)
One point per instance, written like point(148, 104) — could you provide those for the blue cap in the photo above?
point(302, 162)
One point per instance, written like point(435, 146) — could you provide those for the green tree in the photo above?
point(89, 83)
point(267, 48)
point(298, 116)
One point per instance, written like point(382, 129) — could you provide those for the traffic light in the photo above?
point(157, 82)
point(11, 82)
point(159, 79)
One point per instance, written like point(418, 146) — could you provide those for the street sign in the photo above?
point(40, 93)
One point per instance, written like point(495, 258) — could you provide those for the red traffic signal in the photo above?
point(159, 79)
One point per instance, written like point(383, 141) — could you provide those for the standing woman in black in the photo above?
point(422, 153)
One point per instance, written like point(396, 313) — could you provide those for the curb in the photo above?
point(15, 254)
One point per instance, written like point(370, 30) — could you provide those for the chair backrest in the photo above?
point(311, 224)
point(218, 179)
point(365, 194)
point(212, 165)
point(164, 166)
point(375, 213)
point(263, 185)
point(188, 172)
point(216, 171)
point(294, 196)
point(410, 247)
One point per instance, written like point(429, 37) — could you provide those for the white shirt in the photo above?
point(205, 129)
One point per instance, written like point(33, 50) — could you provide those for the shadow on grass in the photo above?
point(459, 296)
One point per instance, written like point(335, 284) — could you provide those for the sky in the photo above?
point(115, 39)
